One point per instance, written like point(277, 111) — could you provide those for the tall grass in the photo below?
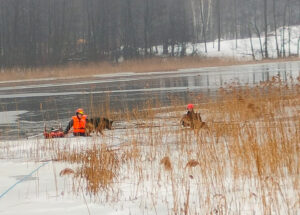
point(247, 161)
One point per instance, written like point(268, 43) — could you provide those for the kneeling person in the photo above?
point(78, 122)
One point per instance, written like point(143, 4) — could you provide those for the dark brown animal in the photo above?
point(192, 120)
point(97, 125)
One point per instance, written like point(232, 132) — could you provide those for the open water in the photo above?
point(25, 106)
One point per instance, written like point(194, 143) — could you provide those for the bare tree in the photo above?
point(266, 27)
point(251, 43)
point(258, 34)
point(283, 27)
point(203, 24)
point(218, 15)
point(275, 28)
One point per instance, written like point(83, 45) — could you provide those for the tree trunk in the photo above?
point(266, 28)
point(219, 24)
point(283, 29)
point(275, 29)
point(146, 26)
point(91, 30)
point(235, 24)
point(165, 48)
point(289, 30)
point(258, 34)
point(203, 25)
point(250, 36)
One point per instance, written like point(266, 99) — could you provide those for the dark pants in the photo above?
point(79, 134)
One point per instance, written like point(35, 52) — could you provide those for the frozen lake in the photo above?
point(27, 105)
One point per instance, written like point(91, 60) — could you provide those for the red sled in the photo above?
point(54, 133)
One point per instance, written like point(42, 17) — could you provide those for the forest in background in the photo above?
point(52, 32)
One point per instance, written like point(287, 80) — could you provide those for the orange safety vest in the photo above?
point(79, 125)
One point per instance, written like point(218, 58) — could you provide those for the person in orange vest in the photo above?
point(78, 122)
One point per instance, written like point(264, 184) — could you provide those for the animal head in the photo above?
point(89, 128)
point(108, 123)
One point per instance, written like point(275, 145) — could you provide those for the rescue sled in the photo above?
point(53, 133)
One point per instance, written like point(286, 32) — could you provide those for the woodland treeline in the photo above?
point(51, 32)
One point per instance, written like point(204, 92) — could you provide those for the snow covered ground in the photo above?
point(163, 169)
point(241, 49)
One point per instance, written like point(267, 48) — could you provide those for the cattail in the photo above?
point(167, 163)
point(192, 163)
